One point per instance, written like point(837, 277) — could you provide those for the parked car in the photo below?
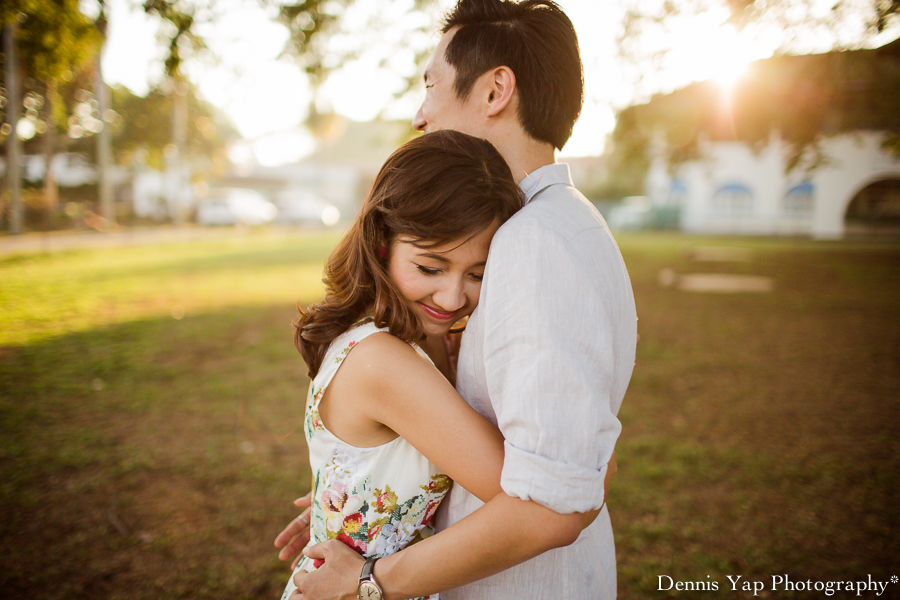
point(302, 207)
point(236, 205)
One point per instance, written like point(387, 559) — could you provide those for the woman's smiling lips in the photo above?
point(438, 314)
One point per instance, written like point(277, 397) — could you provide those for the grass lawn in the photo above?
point(151, 404)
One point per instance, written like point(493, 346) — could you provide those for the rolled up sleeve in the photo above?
point(549, 368)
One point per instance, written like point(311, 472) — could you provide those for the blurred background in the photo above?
point(175, 174)
point(700, 115)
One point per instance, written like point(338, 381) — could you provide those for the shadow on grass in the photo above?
point(158, 458)
point(152, 459)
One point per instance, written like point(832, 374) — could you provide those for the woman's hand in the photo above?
point(295, 536)
point(453, 342)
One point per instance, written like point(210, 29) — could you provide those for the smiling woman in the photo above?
point(420, 239)
point(408, 268)
point(441, 282)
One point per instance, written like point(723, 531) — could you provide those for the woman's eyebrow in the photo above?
point(435, 256)
point(446, 260)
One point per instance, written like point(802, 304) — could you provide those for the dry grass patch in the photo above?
point(144, 456)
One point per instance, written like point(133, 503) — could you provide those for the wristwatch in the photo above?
point(368, 588)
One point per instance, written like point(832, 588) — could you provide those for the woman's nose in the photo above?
point(450, 297)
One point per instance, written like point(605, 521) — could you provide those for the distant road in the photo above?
point(57, 241)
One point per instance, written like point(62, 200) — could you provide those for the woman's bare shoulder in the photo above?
point(381, 356)
point(382, 345)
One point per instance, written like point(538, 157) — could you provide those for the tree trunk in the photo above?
point(13, 148)
point(51, 189)
point(104, 151)
point(179, 140)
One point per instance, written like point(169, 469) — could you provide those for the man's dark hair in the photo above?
point(536, 40)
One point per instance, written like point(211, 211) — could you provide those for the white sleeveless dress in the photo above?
point(376, 500)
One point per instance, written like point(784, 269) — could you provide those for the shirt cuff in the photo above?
point(558, 485)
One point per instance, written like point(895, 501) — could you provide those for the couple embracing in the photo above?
point(484, 478)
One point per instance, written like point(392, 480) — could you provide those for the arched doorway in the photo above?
point(875, 210)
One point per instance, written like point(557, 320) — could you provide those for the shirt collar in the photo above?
point(541, 178)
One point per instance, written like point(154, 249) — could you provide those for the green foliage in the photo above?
point(56, 46)
point(308, 22)
point(311, 24)
point(145, 125)
point(180, 14)
point(628, 160)
point(54, 38)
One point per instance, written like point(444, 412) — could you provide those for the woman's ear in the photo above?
point(501, 84)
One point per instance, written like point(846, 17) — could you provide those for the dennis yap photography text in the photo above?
point(777, 583)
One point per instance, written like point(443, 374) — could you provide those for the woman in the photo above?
point(382, 418)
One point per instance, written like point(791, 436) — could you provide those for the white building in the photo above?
point(801, 148)
point(735, 190)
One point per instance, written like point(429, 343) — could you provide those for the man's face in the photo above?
point(442, 108)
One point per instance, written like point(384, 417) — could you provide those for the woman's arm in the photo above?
point(392, 384)
point(385, 382)
point(388, 382)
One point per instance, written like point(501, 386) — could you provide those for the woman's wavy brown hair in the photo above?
point(437, 188)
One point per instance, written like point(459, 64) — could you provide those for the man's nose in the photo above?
point(419, 122)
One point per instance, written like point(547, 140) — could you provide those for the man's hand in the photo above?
point(296, 535)
point(337, 579)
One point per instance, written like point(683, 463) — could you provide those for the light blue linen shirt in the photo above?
point(547, 356)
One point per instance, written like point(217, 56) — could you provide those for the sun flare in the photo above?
point(703, 50)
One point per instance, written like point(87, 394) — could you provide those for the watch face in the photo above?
point(368, 591)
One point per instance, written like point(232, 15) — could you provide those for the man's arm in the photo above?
point(550, 368)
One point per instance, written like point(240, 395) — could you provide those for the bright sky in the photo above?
point(267, 96)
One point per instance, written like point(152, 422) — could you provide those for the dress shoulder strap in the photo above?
point(338, 351)
point(340, 348)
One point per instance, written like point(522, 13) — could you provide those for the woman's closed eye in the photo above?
point(427, 271)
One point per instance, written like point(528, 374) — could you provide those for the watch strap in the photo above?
point(367, 569)
point(368, 588)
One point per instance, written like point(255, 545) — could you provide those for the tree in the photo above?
point(54, 40)
point(321, 42)
point(13, 175)
point(142, 128)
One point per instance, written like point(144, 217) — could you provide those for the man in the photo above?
point(547, 355)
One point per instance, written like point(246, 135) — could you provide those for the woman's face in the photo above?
point(441, 283)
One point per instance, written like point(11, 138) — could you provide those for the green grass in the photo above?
point(144, 455)
point(761, 431)
point(151, 403)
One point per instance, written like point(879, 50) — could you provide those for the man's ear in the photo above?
point(501, 86)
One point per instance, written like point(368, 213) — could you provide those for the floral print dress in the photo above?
point(376, 500)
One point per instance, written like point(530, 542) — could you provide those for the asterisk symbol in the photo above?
point(894, 579)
